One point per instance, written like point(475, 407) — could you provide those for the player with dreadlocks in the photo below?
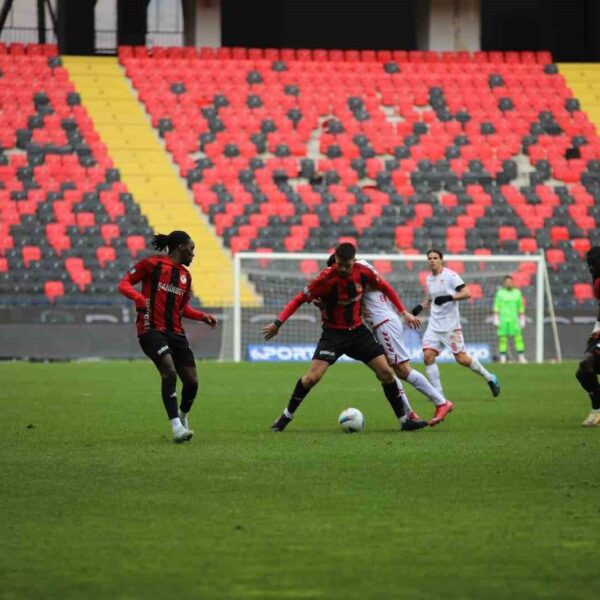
point(166, 290)
point(589, 367)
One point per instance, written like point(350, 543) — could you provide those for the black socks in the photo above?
point(298, 395)
point(169, 396)
point(393, 397)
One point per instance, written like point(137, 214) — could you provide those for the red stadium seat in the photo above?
point(404, 236)
point(456, 265)
point(31, 253)
point(109, 232)
point(507, 234)
point(456, 245)
point(554, 257)
point(136, 244)
point(309, 268)
point(54, 289)
point(85, 219)
point(383, 266)
point(521, 278)
point(476, 291)
point(239, 244)
point(81, 278)
point(74, 264)
point(528, 245)
point(105, 254)
point(558, 234)
point(583, 292)
point(581, 245)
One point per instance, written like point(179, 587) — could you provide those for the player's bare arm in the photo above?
point(198, 315)
point(271, 330)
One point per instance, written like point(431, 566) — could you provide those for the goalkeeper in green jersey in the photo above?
point(509, 318)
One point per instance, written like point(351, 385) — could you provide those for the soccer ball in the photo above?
point(351, 420)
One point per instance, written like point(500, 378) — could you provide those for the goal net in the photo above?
point(277, 277)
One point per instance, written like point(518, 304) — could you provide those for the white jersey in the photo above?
point(376, 307)
point(447, 316)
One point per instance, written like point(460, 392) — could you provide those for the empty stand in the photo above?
point(55, 174)
point(295, 150)
point(399, 150)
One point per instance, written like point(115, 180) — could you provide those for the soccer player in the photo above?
point(388, 329)
point(340, 288)
point(166, 290)
point(589, 367)
point(509, 318)
point(445, 289)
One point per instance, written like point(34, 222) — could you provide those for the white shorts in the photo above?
point(391, 336)
point(436, 340)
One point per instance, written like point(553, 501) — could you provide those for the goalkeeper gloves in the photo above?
point(442, 300)
point(496, 320)
point(522, 321)
point(416, 310)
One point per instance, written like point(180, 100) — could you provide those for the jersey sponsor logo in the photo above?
point(167, 287)
point(183, 279)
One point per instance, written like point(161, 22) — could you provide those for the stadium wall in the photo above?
point(74, 333)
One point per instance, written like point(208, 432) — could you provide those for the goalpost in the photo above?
point(277, 277)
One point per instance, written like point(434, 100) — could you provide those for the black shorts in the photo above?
point(356, 343)
point(156, 344)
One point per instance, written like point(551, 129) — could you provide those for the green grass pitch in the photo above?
point(500, 501)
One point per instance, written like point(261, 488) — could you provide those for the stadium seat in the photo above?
point(583, 292)
point(53, 290)
point(581, 245)
point(309, 268)
point(105, 254)
point(383, 266)
point(476, 291)
point(554, 257)
point(136, 244)
point(31, 253)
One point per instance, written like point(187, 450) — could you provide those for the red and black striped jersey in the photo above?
point(166, 289)
point(340, 297)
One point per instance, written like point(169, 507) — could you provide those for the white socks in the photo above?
point(175, 424)
point(419, 382)
point(407, 407)
point(433, 374)
point(478, 368)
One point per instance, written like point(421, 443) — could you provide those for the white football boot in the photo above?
point(593, 419)
point(182, 434)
